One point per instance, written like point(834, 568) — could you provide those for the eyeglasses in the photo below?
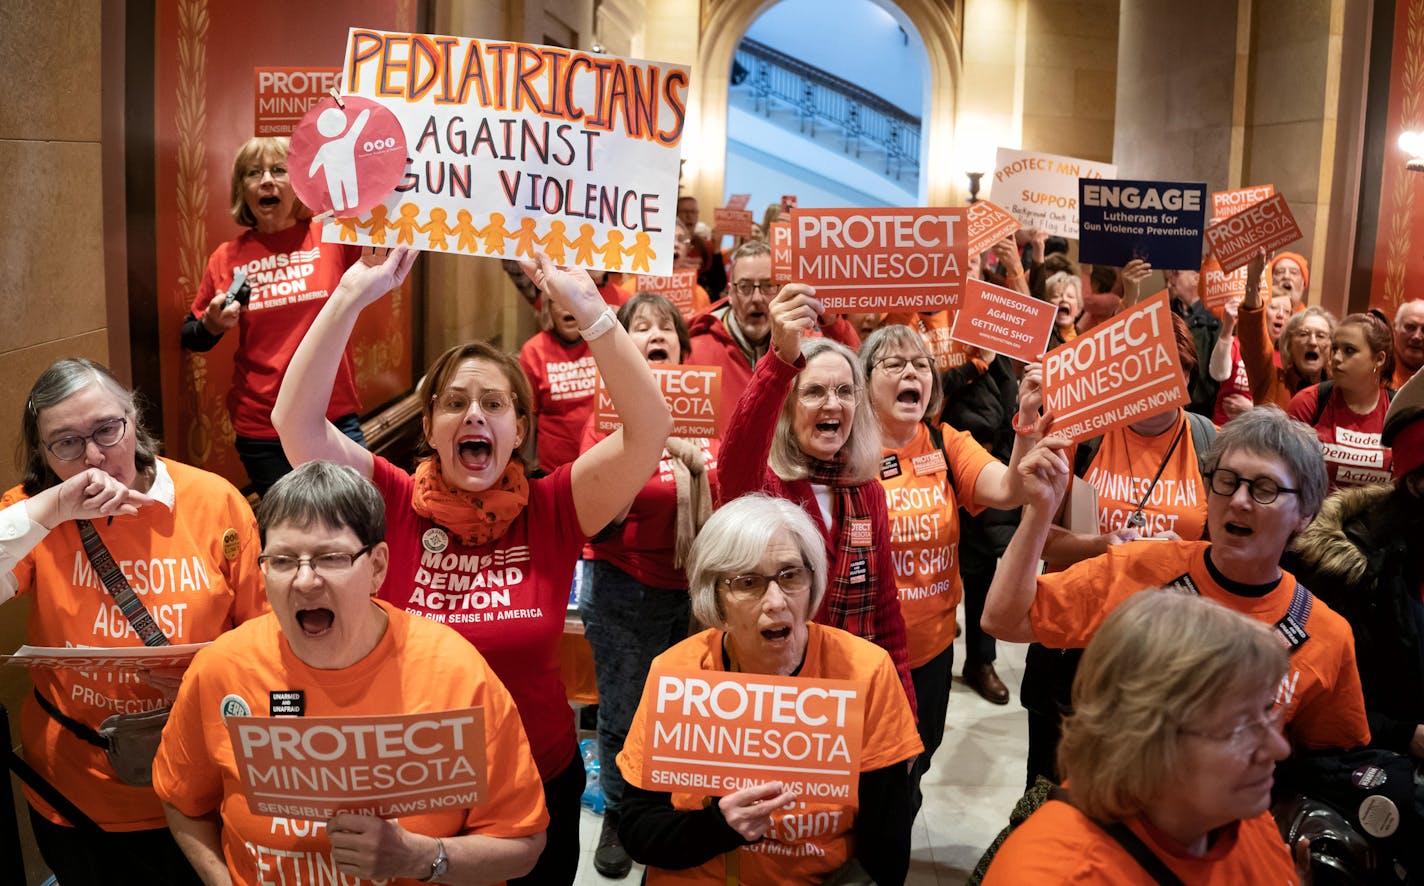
point(751, 586)
point(72, 448)
point(819, 395)
point(1248, 736)
point(254, 174)
point(747, 287)
point(1310, 335)
point(458, 402)
point(1264, 490)
point(327, 565)
point(896, 365)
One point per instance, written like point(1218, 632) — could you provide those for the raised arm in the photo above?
point(607, 477)
point(999, 485)
point(1221, 352)
point(1257, 349)
point(1132, 276)
point(299, 415)
point(1045, 474)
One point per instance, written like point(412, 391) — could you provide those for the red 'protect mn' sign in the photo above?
point(988, 224)
point(880, 259)
point(284, 95)
point(679, 287)
point(1267, 225)
point(693, 395)
point(1004, 321)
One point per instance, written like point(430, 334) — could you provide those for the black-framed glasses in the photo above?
point(1264, 490)
point(457, 402)
point(254, 174)
point(751, 586)
point(896, 365)
point(819, 395)
point(328, 565)
point(105, 435)
point(747, 287)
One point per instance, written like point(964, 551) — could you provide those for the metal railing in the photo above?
point(817, 96)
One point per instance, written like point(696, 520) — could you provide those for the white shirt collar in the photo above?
point(162, 489)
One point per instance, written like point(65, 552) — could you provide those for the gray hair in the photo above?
point(896, 335)
point(1295, 321)
point(749, 249)
point(1063, 278)
point(733, 541)
point(862, 449)
point(321, 493)
point(1416, 303)
point(1267, 431)
point(62, 380)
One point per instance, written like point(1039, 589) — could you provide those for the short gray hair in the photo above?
point(749, 249)
point(322, 493)
point(1267, 431)
point(1416, 303)
point(62, 380)
point(733, 541)
point(896, 335)
point(862, 448)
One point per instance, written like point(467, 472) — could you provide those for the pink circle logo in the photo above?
point(346, 160)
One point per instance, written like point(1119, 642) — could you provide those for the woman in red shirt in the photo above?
point(1348, 411)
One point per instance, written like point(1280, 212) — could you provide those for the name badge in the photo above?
point(930, 463)
point(288, 703)
point(1291, 632)
point(890, 467)
point(860, 534)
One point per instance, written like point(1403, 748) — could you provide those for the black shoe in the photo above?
point(609, 859)
point(984, 680)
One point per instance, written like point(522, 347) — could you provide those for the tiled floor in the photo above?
point(976, 778)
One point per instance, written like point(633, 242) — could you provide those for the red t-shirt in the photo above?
point(1353, 454)
point(564, 377)
point(416, 667)
point(1238, 383)
point(291, 273)
point(507, 597)
point(644, 546)
point(924, 531)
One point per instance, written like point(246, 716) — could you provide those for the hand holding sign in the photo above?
point(794, 310)
point(748, 811)
point(1030, 395)
point(571, 288)
point(372, 848)
point(1044, 470)
point(1132, 276)
point(377, 272)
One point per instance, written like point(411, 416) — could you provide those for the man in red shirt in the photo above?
point(1408, 340)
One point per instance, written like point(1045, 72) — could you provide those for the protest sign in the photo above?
point(711, 732)
point(87, 658)
point(1005, 321)
point(516, 148)
point(1268, 225)
point(732, 222)
point(780, 235)
point(1161, 222)
point(987, 225)
point(788, 203)
point(1219, 287)
point(284, 95)
point(1121, 371)
point(693, 395)
point(346, 157)
point(679, 287)
point(1227, 203)
point(880, 259)
point(738, 201)
point(386, 766)
point(1041, 190)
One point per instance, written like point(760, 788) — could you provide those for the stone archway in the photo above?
point(724, 22)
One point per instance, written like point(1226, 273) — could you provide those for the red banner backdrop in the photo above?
point(1398, 259)
point(203, 110)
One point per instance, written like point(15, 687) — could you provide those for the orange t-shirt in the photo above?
point(1123, 468)
point(1059, 844)
point(417, 666)
point(934, 329)
point(810, 841)
point(924, 531)
point(1321, 691)
point(193, 565)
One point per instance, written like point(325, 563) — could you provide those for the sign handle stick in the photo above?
point(337, 98)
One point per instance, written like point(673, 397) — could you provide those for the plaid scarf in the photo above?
point(851, 586)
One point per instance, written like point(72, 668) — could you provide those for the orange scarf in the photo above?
point(475, 518)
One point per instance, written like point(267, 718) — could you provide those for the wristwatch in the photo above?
point(606, 321)
point(440, 865)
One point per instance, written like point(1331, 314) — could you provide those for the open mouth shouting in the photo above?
point(315, 622)
point(474, 453)
point(777, 634)
point(657, 353)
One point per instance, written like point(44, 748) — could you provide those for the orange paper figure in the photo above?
point(437, 229)
point(555, 242)
point(584, 246)
point(377, 225)
point(406, 226)
point(612, 251)
point(465, 233)
point(641, 252)
point(348, 229)
point(494, 234)
point(526, 238)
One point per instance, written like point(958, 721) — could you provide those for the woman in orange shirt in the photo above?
point(1171, 748)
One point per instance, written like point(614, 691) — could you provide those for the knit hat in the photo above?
point(1299, 260)
point(1404, 427)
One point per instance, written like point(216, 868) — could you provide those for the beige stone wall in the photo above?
point(1070, 77)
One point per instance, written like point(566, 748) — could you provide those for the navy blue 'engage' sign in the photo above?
point(1162, 222)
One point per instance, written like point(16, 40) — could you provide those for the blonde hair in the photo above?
point(861, 452)
point(252, 153)
point(1161, 660)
